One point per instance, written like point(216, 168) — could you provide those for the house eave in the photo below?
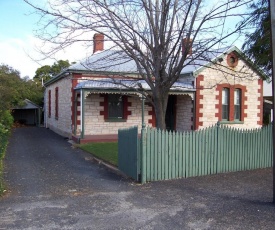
point(187, 74)
point(74, 71)
point(108, 73)
point(57, 78)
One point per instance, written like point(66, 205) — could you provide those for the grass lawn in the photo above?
point(107, 151)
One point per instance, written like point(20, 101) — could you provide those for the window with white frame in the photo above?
point(225, 104)
point(237, 104)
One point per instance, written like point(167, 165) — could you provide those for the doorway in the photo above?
point(170, 117)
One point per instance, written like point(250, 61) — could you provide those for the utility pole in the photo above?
point(272, 22)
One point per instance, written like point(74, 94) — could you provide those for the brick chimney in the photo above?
point(187, 44)
point(98, 42)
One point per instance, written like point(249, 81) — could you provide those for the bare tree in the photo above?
point(150, 32)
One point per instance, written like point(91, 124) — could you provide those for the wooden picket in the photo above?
point(213, 150)
point(163, 155)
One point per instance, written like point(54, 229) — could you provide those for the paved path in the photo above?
point(54, 186)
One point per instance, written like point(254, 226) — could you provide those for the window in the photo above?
point(115, 106)
point(49, 103)
point(225, 104)
point(231, 103)
point(232, 59)
point(237, 104)
point(56, 103)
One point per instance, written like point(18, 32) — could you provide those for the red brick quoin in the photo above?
point(75, 79)
point(260, 99)
point(199, 105)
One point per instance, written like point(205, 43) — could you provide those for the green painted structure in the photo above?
point(163, 155)
point(129, 152)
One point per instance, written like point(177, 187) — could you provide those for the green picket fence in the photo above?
point(168, 155)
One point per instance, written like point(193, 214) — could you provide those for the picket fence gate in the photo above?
point(129, 154)
point(162, 155)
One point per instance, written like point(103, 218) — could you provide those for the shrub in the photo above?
point(2, 187)
point(6, 121)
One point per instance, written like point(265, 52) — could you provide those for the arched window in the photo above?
point(225, 104)
point(237, 104)
point(231, 103)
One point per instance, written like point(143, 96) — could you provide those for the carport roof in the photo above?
point(28, 105)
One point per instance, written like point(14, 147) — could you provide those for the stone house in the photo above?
point(94, 98)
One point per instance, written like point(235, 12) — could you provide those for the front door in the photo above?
point(170, 116)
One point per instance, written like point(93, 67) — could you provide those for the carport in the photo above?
point(28, 114)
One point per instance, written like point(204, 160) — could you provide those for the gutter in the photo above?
point(66, 72)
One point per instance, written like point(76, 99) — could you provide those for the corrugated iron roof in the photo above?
point(121, 84)
point(28, 105)
point(112, 62)
point(116, 61)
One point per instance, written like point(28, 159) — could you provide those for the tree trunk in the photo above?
point(160, 98)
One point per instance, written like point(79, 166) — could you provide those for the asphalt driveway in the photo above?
point(52, 185)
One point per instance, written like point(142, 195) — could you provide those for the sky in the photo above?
point(17, 40)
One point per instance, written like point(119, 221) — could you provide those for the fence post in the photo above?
point(143, 155)
point(143, 146)
point(217, 149)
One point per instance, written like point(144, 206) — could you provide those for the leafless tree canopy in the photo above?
point(150, 32)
